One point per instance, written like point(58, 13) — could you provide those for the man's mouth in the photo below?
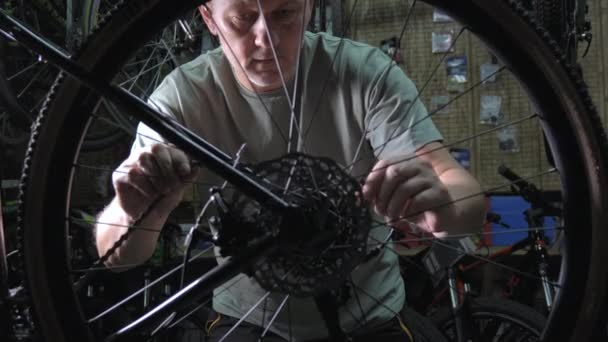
point(265, 64)
point(264, 60)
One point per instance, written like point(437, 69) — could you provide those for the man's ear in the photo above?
point(206, 14)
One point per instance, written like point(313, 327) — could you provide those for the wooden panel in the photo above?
point(374, 21)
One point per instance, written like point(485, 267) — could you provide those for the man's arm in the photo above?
point(466, 213)
point(431, 190)
point(148, 186)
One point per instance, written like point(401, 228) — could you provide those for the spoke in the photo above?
point(32, 80)
point(38, 104)
point(202, 184)
point(289, 320)
point(451, 144)
point(490, 330)
point(257, 94)
point(273, 318)
point(274, 55)
point(245, 316)
point(135, 84)
point(70, 219)
point(10, 78)
point(140, 291)
point(103, 268)
point(433, 113)
point(267, 294)
point(411, 106)
point(199, 218)
point(157, 78)
point(331, 66)
point(461, 236)
point(483, 192)
point(480, 258)
point(170, 52)
point(378, 224)
point(363, 315)
point(186, 315)
point(386, 71)
point(141, 71)
point(294, 125)
point(357, 288)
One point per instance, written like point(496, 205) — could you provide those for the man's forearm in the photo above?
point(113, 223)
point(468, 204)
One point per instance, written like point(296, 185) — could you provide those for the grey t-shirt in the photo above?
point(355, 106)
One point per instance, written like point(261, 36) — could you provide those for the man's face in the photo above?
point(245, 40)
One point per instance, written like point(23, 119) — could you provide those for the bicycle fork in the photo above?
point(459, 298)
point(543, 266)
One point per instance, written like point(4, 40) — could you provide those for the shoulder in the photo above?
point(204, 69)
point(351, 62)
point(206, 73)
point(344, 50)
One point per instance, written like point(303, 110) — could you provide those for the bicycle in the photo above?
point(469, 317)
point(570, 123)
point(428, 291)
point(452, 295)
point(535, 273)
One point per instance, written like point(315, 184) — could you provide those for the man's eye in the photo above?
point(286, 14)
point(245, 18)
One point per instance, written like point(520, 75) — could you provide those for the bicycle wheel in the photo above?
point(566, 117)
point(25, 78)
point(497, 319)
point(172, 47)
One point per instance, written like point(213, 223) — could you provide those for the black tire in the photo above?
point(518, 322)
point(557, 17)
point(569, 120)
point(422, 328)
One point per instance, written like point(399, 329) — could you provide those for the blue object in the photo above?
point(511, 209)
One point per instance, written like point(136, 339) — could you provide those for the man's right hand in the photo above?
point(155, 176)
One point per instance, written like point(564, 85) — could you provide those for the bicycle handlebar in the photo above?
point(528, 191)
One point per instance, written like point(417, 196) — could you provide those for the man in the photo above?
point(350, 93)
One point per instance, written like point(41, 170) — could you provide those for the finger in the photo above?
point(164, 161)
point(394, 176)
point(373, 181)
point(194, 171)
point(147, 165)
point(181, 163)
point(402, 195)
point(422, 203)
point(140, 182)
point(399, 223)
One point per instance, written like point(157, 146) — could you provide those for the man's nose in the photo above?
point(265, 35)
